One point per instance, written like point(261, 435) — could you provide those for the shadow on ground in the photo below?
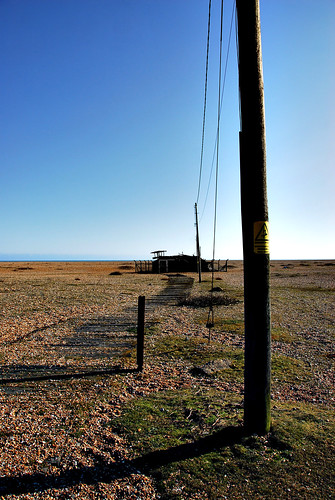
point(106, 338)
point(39, 373)
point(106, 472)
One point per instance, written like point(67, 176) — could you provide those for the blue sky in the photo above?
point(101, 121)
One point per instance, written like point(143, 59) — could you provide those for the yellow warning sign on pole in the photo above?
point(261, 237)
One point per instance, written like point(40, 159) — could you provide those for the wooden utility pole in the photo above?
point(198, 244)
point(254, 221)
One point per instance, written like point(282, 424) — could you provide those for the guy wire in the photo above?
point(210, 322)
point(222, 94)
point(217, 146)
point(205, 99)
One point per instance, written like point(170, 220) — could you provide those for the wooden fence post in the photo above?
point(140, 332)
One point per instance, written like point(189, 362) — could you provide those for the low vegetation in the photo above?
point(193, 444)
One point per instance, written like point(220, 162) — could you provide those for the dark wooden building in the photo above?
point(162, 263)
point(180, 263)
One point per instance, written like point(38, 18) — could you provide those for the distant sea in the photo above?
point(59, 258)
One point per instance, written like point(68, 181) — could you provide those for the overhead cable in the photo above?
point(222, 94)
point(210, 320)
point(205, 99)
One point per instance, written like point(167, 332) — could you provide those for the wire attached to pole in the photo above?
point(233, 14)
point(205, 99)
point(210, 322)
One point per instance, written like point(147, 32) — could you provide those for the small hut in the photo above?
point(162, 263)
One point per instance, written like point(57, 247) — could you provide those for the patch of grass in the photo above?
point(192, 441)
point(309, 289)
point(289, 370)
point(230, 325)
point(282, 335)
point(198, 352)
point(234, 324)
point(150, 329)
point(170, 418)
point(193, 444)
point(191, 349)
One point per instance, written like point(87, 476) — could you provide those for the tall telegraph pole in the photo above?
point(254, 221)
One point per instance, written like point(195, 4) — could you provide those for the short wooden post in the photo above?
point(140, 332)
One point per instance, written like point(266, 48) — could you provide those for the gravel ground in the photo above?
point(61, 318)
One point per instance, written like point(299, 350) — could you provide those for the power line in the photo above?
point(217, 142)
point(205, 99)
point(222, 94)
point(210, 321)
point(238, 65)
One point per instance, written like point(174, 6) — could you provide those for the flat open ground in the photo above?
point(174, 430)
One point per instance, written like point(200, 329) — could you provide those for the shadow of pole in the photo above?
point(105, 472)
